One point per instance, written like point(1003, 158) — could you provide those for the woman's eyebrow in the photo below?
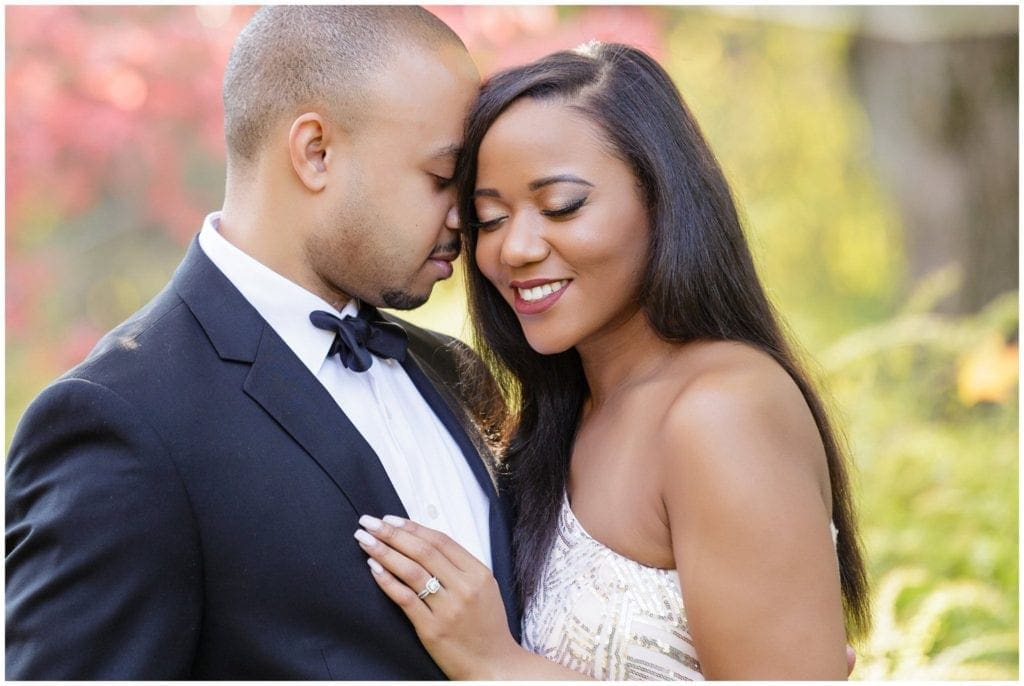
point(559, 178)
point(538, 184)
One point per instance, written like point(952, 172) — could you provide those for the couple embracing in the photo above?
point(261, 475)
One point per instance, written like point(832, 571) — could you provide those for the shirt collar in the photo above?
point(284, 304)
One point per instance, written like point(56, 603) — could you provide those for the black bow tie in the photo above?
point(357, 337)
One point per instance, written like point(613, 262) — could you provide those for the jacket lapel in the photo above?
point(283, 386)
point(302, 406)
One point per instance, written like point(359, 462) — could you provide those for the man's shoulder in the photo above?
point(156, 335)
point(419, 334)
point(444, 354)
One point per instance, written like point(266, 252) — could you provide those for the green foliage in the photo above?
point(911, 638)
point(935, 449)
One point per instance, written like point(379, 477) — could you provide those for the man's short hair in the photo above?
point(290, 58)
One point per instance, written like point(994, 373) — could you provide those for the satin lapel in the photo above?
point(446, 409)
point(295, 399)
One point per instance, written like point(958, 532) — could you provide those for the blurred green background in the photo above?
point(874, 155)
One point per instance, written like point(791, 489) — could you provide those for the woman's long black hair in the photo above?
point(700, 284)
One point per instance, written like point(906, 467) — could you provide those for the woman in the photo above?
point(666, 445)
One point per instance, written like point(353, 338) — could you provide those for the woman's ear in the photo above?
point(310, 144)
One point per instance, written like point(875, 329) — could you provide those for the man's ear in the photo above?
point(313, 145)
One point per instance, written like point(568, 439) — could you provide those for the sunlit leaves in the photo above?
point(912, 615)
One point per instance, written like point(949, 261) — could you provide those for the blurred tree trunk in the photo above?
point(940, 88)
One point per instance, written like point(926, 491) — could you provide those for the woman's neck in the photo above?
point(623, 357)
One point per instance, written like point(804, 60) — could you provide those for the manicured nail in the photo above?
point(366, 539)
point(371, 523)
point(374, 566)
point(393, 520)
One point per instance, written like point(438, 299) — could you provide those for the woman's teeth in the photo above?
point(542, 291)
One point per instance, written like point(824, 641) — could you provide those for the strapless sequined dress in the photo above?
point(607, 616)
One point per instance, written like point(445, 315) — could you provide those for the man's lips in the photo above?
point(444, 260)
point(444, 256)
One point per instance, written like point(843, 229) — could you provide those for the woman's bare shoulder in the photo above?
point(746, 494)
point(719, 380)
point(736, 413)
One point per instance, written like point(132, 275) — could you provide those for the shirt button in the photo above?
point(432, 511)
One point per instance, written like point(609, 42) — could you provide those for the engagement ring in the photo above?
point(433, 586)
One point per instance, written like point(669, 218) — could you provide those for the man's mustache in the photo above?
point(448, 251)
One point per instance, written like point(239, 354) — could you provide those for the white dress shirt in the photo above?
point(423, 462)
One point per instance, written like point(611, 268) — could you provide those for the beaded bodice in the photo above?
point(607, 616)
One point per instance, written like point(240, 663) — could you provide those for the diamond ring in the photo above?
point(433, 586)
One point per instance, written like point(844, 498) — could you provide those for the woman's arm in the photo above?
point(748, 504)
point(463, 624)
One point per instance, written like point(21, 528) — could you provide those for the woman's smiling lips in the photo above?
point(537, 295)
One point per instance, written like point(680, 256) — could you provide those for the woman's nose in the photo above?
point(523, 244)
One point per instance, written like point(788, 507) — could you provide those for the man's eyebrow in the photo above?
point(447, 151)
point(558, 178)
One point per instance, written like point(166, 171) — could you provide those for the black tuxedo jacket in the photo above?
point(181, 506)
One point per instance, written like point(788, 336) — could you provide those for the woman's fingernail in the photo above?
point(365, 538)
point(371, 523)
point(374, 566)
point(393, 520)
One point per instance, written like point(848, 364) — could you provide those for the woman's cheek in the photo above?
point(488, 248)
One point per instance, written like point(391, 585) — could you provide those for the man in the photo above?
point(182, 504)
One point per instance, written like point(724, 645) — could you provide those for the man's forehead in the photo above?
point(423, 103)
point(414, 76)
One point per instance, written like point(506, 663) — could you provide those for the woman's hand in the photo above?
point(463, 623)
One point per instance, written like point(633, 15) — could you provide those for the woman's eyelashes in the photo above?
point(486, 225)
point(562, 212)
point(566, 209)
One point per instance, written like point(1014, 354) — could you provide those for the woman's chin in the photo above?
point(548, 345)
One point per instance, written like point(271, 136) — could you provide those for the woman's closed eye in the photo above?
point(481, 224)
point(486, 223)
point(566, 209)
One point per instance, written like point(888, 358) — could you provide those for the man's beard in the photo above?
point(398, 299)
point(402, 300)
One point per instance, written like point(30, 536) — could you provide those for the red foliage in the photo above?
point(27, 280)
point(111, 97)
point(500, 37)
